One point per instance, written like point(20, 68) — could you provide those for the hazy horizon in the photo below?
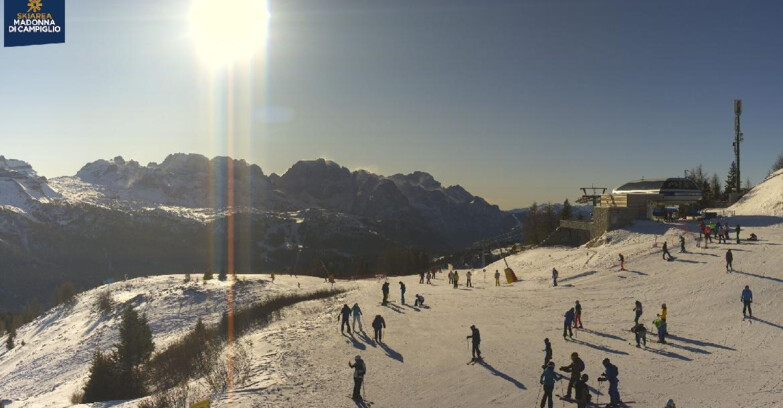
point(515, 101)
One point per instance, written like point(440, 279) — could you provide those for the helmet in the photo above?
point(358, 357)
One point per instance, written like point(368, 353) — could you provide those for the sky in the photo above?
point(517, 101)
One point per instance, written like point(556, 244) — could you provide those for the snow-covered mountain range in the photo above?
point(118, 217)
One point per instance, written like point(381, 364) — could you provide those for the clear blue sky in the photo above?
point(514, 100)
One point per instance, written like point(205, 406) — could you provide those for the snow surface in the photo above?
point(764, 199)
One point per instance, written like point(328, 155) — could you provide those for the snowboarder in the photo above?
point(569, 319)
point(729, 258)
point(548, 378)
point(665, 251)
point(575, 368)
point(359, 369)
point(582, 391)
point(476, 337)
point(378, 324)
point(747, 299)
point(554, 277)
point(345, 313)
point(641, 335)
point(497, 277)
point(357, 317)
point(610, 374)
point(548, 351)
point(682, 244)
point(468, 283)
point(622, 261)
point(456, 279)
point(385, 291)
point(577, 315)
point(419, 300)
point(638, 309)
point(737, 228)
point(402, 293)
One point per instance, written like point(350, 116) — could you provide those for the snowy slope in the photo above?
point(764, 199)
point(20, 186)
point(715, 360)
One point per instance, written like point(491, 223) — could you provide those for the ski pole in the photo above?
point(539, 392)
point(364, 392)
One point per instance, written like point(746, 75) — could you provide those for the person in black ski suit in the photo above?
point(345, 313)
point(641, 335)
point(729, 258)
point(568, 320)
point(359, 369)
point(378, 324)
point(666, 251)
point(575, 368)
point(548, 350)
point(638, 309)
point(610, 374)
point(682, 244)
point(582, 392)
point(385, 291)
point(476, 336)
point(402, 292)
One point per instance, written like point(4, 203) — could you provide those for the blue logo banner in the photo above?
point(34, 22)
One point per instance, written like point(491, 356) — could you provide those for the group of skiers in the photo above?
point(577, 382)
point(418, 299)
point(641, 331)
point(717, 231)
point(378, 323)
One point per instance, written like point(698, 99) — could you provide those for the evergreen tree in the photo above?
point(567, 212)
point(778, 164)
point(222, 276)
point(530, 225)
point(748, 185)
point(9, 342)
point(731, 179)
point(135, 346)
point(715, 191)
point(208, 274)
point(103, 380)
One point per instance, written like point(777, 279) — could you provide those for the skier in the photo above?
point(575, 368)
point(622, 261)
point(577, 315)
point(421, 277)
point(468, 283)
point(670, 404)
point(569, 319)
point(738, 231)
point(548, 350)
point(345, 313)
point(661, 326)
point(729, 258)
point(402, 293)
point(359, 369)
point(378, 324)
point(662, 316)
point(610, 374)
point(682, 244)
point(554, 277)
point(476, 336)
point(582, 391)
point(419, 300)
point(497, 277)
point(429, 277)
point(357, 316)
point(665, 251)
point(451, 277)
point(456, 279)
point(747, 299)
point(548, 378)
point(385, 291)
point(707, 235)
point(638, 309)
point(641, 335)
point(331, 280)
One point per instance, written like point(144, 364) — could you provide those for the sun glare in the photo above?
point(225, 31)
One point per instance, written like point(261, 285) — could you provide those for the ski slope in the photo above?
point(713, 358)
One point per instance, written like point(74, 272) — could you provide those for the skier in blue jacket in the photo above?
point(747, 299)
point(610, 374)
point(548, 378)
point(569, 320)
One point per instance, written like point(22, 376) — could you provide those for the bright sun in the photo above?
point(225, 31)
